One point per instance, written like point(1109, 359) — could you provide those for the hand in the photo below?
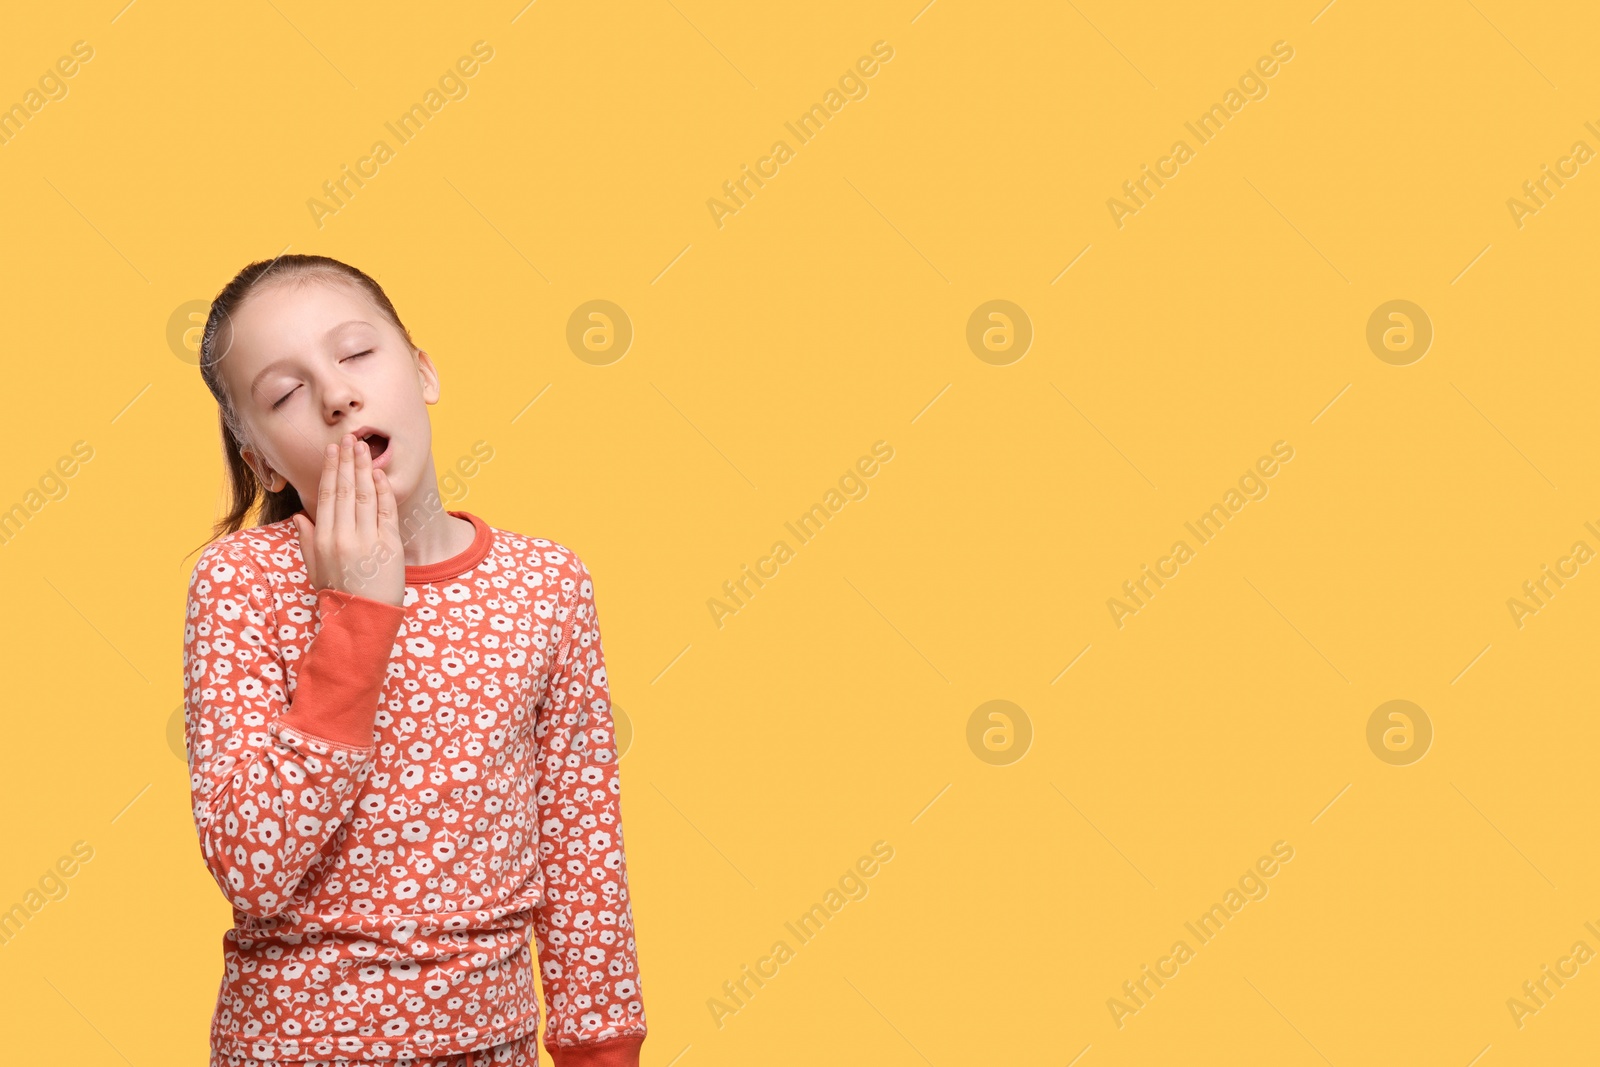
point(354, 545)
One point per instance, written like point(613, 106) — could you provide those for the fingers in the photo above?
point(366, 496)
point(307, 552)
point(330, 474)
point(344, 498)
point(356, 515)
point(322, 535)
point(388, 511)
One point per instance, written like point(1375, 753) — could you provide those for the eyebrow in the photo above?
point(255, 383)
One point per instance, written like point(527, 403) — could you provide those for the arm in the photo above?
point(584, 928)
point(273, 780)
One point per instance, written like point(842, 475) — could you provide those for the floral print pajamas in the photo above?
point(522, 1052)
point(394, 798)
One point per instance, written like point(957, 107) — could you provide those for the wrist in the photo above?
point(341, 676)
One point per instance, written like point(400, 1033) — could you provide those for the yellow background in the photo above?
point(769, 354)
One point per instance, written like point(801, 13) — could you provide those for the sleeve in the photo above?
point(584, 928)
point(272, 780)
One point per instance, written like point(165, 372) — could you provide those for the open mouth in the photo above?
point(377, 443)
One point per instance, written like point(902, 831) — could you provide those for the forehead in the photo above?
point(292, 319)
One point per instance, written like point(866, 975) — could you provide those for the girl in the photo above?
point(398, 721)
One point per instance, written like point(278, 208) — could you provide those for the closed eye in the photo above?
point(346, 359)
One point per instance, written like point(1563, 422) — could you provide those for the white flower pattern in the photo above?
point(383, 893)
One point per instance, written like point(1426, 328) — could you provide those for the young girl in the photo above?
point(399, 727)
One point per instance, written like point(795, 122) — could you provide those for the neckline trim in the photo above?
point(465, 560)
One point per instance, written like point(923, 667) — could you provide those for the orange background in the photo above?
point(1134, 774)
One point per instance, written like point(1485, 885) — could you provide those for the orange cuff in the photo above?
point(616, 1052)
point(341, 675)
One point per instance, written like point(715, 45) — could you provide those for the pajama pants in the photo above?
point(521, 1052)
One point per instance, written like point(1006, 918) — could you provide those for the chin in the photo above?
point(402, 488)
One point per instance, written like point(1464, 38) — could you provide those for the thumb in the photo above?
point(307, 542)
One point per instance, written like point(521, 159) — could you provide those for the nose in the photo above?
point(350, 404)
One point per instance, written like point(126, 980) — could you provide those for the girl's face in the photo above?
point(307, 363)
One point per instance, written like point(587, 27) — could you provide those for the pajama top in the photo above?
point(392, 797)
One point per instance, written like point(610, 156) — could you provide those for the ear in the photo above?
point(427, 378)
point(269, 477)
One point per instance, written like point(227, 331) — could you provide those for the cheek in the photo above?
point(296, 454)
